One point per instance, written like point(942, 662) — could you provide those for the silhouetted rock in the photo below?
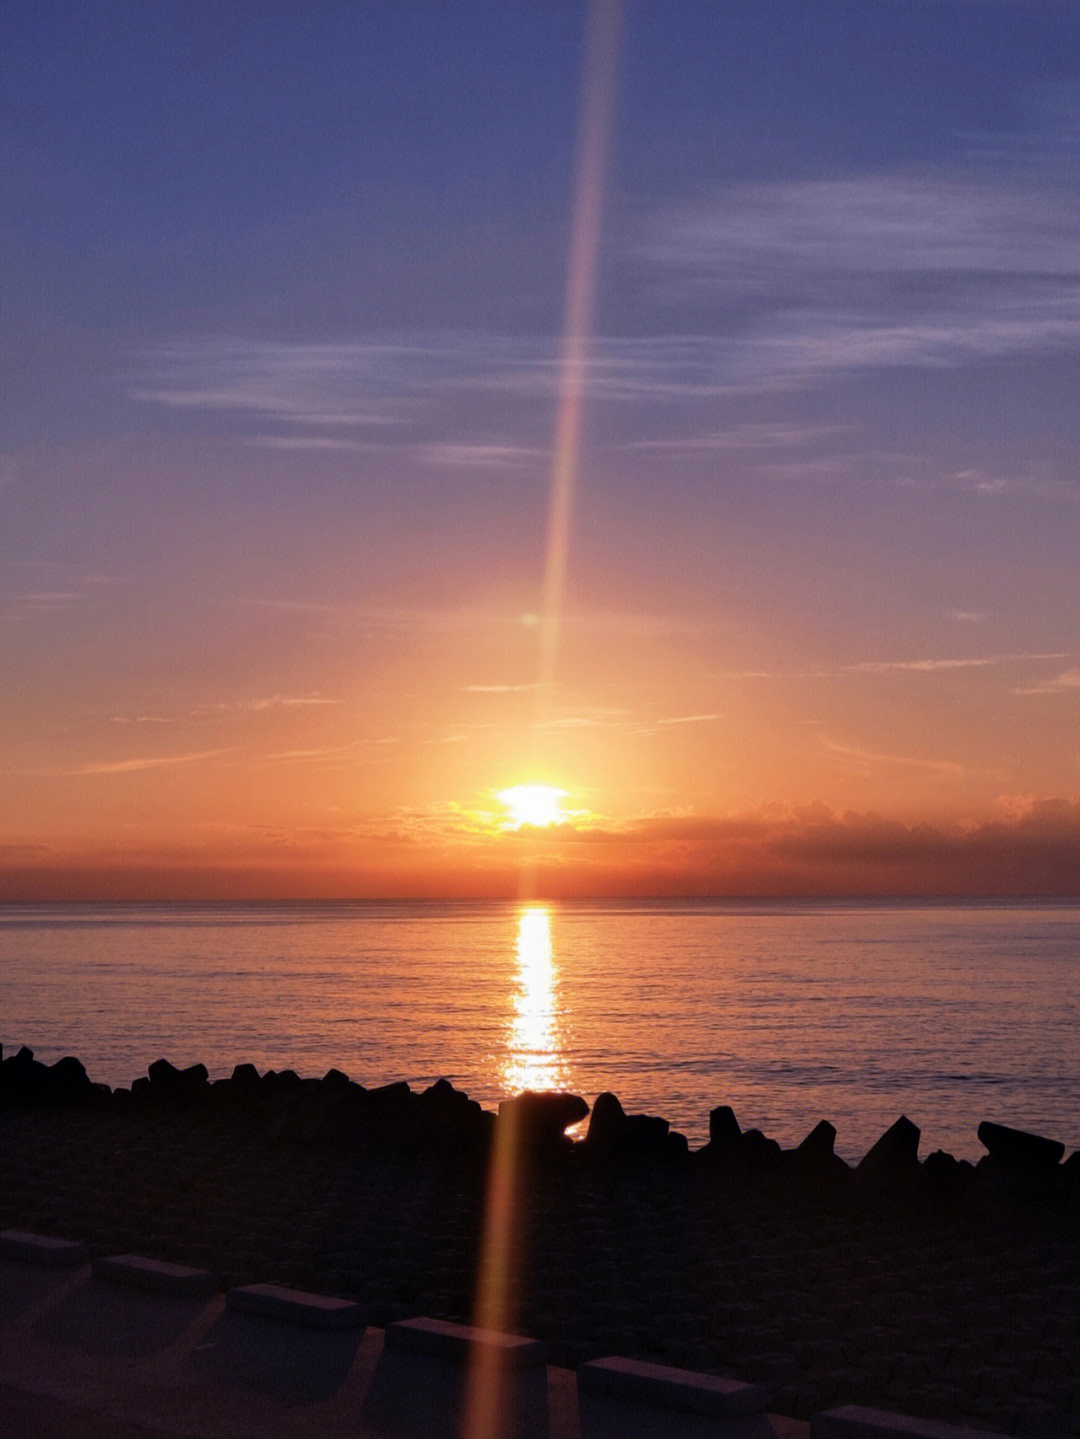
point(607, 1127)
point(814, 1161)
point(1070, 1174)
point(278, 1084)
point(676, 1147)
point(946, 1173)
point(244, 1076)
point(68, 1082)
point(818, 1144)
point(894, 1157)
point(724, 1131)
point(540, 1120)
point(22, 1078)
point(451, 1120)
point(178, 1086)
point(335, 1077)
point(758, 1151)
point(27, 1083)
point(1016, 1146)
point(644, 1139)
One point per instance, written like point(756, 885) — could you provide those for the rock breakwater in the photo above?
point(927, 1285)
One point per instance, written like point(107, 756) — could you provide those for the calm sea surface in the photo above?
point(790, 1012)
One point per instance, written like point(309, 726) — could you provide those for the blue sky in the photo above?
point(284, 288)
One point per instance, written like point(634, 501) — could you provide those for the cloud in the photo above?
point(389, 380)
point(626, 624)
point(872, 757)
point(330, 444)
point(498, 689)
point(1032, 848)
point(925, 665)
point(1066, 683)
point(270, 702)
point(221, 707)
point(931, 666)
point(133, 766)
point(831, 275)
point(757, 436)
point(480, 457)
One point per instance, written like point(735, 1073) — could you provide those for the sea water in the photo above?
point(790, 1012)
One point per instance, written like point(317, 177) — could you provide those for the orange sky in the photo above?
point(657, 416)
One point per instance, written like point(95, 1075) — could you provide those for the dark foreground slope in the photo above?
point(936, 1288)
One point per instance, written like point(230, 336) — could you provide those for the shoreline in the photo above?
point(937, 1288)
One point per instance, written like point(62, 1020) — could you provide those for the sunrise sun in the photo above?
point(534, 804)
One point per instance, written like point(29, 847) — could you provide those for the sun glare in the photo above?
point(535, 804)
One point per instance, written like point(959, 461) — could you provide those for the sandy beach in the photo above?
point(942, 1290)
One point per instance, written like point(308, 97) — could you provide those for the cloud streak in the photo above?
point(132, 766)
point(875, 270)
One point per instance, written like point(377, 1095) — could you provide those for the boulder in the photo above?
point(1016, 1146)
point(818, 1144)
point(724, 1131)
point(23, 1079)
point(758, 1151)
point(68, 1082)
point(451, 1120)
point(607, 1127)
point(946, 1173)
point(539, 1120)
point(644, 1139)
point(895, 1156)
point(1070, 1171)
point(815, 1160)
point(181, 1085)
point(244, 1076)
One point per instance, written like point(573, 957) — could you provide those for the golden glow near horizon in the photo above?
point(534, 1047)
point(533, 804)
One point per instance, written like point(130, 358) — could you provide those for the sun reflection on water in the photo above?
point(534, 1048)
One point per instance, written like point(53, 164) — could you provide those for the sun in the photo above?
point(534, 804)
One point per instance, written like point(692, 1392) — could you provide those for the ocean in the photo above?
point(789, 1012)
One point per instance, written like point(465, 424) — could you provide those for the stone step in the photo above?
point(41, 1249)
point(294, 1306)
point(669, 1388)
point(437, 1339)
point(852, 1421)
point(156, 1275)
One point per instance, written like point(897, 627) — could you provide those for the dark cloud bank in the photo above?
point(811, 853)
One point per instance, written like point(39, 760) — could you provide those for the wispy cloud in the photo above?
point(269, 702)
point(873, 757)
point(921, 666)
point(133, 766)
point(498, 689)
point(326, 444)
point(1066, 683)
point(757, 436)
point(878, 269)
point(260, 705)
point(931, 666)
point(628, 624)
point(480, 457)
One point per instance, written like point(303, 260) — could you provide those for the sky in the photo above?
point(671, 404)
